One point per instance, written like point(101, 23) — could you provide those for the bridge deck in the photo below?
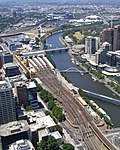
point(103, 97)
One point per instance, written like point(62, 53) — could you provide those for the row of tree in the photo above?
point(50, 143)
point(98, 74)
point(50, 100)
point(50, 59)
point(114, 86)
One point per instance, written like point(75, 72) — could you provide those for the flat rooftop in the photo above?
point(14, 127)
point(22, 145)
point(26, 83)
point(10, 65)
point(42, 123)
point(5, 84)
point(45, 132)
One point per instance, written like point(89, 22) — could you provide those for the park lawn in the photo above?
point(79, 36)
point(103, 147)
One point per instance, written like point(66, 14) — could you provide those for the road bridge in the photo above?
point(103, 97)
point(57, 49)
point(10, 34)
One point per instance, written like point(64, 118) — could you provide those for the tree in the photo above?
point(29, 108)
point(51, 104)
point(37, 40)
point(59, 129)
point(57, 111)
point(27, 75)
point(1, 40)
point(42, 145)
point(80, 91)
point(52, 143)
point(49, 143)
point(67, 146)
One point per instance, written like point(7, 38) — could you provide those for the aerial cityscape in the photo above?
point(59, 75)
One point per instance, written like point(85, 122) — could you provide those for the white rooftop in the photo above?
point(43, 122)
point(44, 133)
point(13, 128)
point(27, 83)
point(22, 145)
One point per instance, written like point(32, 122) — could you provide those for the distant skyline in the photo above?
point(59, 1)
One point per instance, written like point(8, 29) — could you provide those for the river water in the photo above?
point(63, 61)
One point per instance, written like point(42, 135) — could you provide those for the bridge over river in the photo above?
point(74, 70)
point(58, 49)
point(103, 97)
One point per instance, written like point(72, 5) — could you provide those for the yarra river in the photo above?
point(63, 62)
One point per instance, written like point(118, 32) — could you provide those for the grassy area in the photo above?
point(103, 147)
point(63, 42)
point(79, 36)
point(32, 33)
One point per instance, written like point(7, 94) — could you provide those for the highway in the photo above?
point(103, 18)
point(74, 112)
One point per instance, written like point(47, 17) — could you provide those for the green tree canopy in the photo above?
point(67, 146)
point(49, 143)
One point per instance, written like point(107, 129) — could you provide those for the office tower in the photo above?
point(112, 36)
point(113, 58)
point(21, 93)
point(116, 40)
point(107, 36)
point(101, 54)
point(14, 14)
point(1, 64)
point(11, 69)
point(7, 58)
point(91, 44)
point(7, 103)
point(26, 93)
point(12, 132)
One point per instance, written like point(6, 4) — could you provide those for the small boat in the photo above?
point(50, 45)
point(94, 78)
point(72, 59)
point(77, 63)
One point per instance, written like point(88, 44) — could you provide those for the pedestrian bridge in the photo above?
point(73, 70)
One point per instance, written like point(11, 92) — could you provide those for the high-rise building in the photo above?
point(11, 69)
point(7, 58)
point(14, 14)
point(113, 58)
point(7, 103)
point(91, 44)
point(12, 132)
point(101, 54)
point(1, 63)
point(26, 93)
point(107, 36)
point(116, 40)
point(112, 36)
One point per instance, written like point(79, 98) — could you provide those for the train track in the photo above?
point(75, 113)
point(71, 109)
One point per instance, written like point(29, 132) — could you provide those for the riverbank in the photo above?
point(64, 42)
point(63, 62)
point(94, 77)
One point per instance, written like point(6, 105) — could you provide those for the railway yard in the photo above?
point(80, 122)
